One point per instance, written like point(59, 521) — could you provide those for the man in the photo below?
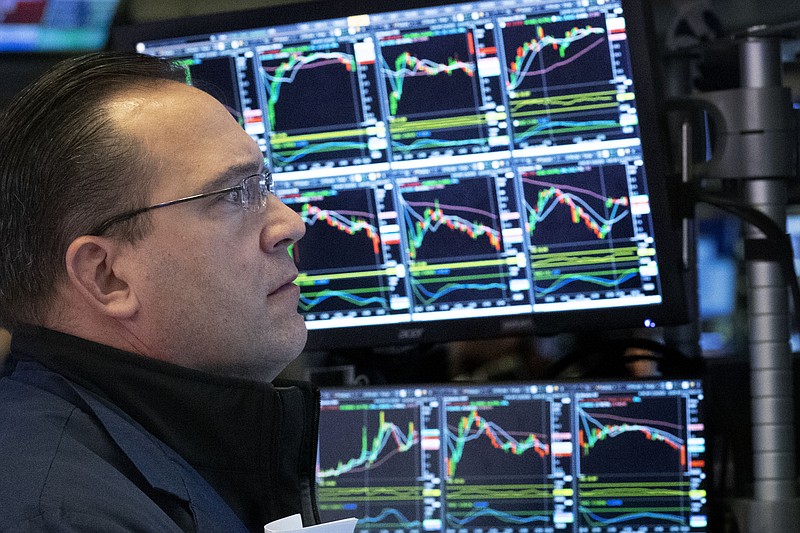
point(146, 277)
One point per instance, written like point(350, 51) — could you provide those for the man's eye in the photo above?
point(234, 196)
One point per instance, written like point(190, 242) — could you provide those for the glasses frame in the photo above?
point(265, 184)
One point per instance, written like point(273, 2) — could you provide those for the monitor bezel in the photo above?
point(380, 396)
point(674, 308)
point(62, 47)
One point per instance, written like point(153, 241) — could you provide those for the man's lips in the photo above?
point(287, 286)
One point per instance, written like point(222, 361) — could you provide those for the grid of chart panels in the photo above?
point(464, 160)
point(576, 457)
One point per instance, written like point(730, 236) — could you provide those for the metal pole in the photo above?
point(775, 506)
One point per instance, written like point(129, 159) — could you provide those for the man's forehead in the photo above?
point(157, 98)
point(171, 115)
point(187, 133)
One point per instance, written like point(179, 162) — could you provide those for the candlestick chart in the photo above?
point(390, 440)
point(356, 277)
point(218, 76)
point(433, 219)
point(546, 46)
point(454, 241)
point(436, 100)
point(621, 421)
point(652, 487)
point(577, 204)
point(582, 231)
point(547, 103)
point(583, 457)
point(369, 471)
point(498, 465)
point(311, 76)
point(474, 427)
point(408, 66)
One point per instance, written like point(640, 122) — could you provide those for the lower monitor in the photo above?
point(527, 457)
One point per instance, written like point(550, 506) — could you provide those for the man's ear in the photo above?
point(93, 273)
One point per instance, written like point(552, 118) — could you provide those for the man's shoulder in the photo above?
point(66, 520)
point(58, 461)
point(33, 421)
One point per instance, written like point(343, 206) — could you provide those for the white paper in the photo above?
point(294, 524)
point(290, 523)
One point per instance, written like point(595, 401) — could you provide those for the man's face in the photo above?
point(214, 281)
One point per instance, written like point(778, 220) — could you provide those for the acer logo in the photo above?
point(410, 334)
point(520, 324)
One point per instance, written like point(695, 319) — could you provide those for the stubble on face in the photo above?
point(206, 281)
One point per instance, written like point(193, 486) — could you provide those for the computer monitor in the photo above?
point(55, 26)
point(470, 169)
point(718, 283)
point(525, 457)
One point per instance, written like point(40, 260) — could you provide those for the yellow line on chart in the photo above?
point(280, 139)
point(552, 111)
point(437, 123)
point(417, 267)
point(305, 278)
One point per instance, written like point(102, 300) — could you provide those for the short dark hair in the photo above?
point(64, 167)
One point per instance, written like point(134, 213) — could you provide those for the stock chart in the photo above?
point(455, 241)
point(469, 160)
point(548, 104)
point(307, 76)
point(499, 464)
point(581, 222)
point(654, 485)
point(605, 457)
point(438, 103)
point(361, 277)
point(381, 479)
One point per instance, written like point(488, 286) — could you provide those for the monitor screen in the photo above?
point(718, 283)
point(589, 457)
point(55, 25)
point(463, 169)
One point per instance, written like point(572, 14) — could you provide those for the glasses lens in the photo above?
point(268, 184)
point(256, 190)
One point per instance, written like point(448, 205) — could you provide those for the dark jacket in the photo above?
point(97, 439)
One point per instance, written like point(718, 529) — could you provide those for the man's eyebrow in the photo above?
point(234, 174)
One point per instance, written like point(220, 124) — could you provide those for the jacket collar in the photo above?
point(245, 437)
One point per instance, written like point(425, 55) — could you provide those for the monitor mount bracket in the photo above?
point(755, 142)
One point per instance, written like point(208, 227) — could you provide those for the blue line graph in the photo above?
point(402, 520)
point(632, 516)
point(309, 149)
point(421, 144)
point(544, 125)
point(428, 296)
point(308, 303)
point(503, 516)
point(571, 278)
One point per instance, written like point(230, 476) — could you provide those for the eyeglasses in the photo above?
point(252, 194)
